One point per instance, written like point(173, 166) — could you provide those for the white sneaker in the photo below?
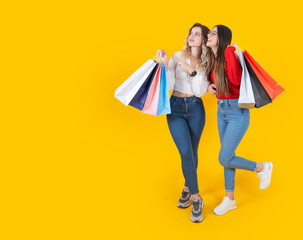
point(226, 205)
point(265, 175)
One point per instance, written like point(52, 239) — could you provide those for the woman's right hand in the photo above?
point(164, 56)
point(212, 89)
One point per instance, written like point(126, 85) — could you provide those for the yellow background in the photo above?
point(77, 164)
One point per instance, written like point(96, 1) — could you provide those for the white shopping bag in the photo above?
point(130, 87)
point(246, 98)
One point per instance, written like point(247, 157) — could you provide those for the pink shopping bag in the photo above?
point(151, 103)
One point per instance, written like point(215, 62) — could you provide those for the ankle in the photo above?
point(195, 196)
point(230, 196)
point(260, 167)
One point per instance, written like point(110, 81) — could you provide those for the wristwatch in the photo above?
point(194, 73)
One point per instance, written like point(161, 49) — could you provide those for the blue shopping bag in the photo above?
point(163, 102)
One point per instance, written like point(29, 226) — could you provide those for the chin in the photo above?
point(193, 45)
point(208, 44)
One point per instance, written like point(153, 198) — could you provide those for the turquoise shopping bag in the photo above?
point(163, 102)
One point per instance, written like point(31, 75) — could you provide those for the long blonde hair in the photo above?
point(204, 60)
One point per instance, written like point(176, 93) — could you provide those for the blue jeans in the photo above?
point(233, 123)
point(186, 123)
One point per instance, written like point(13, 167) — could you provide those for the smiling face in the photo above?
point(195, 37)
point(213, 40)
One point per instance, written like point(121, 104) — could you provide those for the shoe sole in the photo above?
point(197, 220)
point(185, 206)
point(271, 168)
point(219, 214)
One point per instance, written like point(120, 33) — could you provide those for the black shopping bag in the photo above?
point(260, 94)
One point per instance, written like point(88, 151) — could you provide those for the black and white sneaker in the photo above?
point(185, 200)
point(196, 213)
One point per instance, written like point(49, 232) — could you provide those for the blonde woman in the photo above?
point(186, 77)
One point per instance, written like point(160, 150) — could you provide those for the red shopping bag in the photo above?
point(272, 88)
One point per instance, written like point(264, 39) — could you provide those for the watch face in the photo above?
point(193, 73)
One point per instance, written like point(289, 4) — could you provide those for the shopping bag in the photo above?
point(140, 97)
point(260, 95)
point(270, 85)
point(163, 103)
point(246, 98)
point(151, 103)
point(130, 87)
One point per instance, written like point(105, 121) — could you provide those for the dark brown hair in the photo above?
point(218, 63)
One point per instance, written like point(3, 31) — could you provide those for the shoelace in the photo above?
point(184, 195)
point(196, 205)
point(260, 174)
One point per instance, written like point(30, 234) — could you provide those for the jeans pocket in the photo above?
point(233, 105)
point(197, 101)
point(172, 102)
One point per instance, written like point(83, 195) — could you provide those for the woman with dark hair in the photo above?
point(224, 74)
point(186, 76)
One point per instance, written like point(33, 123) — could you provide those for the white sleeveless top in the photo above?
point(180, 80)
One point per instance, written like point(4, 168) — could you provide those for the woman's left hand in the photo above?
point(184, 66)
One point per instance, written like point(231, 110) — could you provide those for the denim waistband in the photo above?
point(228, 100)
point(184, 99)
